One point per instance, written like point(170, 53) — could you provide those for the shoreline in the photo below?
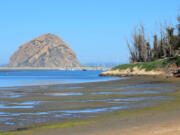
point(135, 72)
point(55, 68)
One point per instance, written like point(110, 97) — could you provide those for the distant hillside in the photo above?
point(44, 51)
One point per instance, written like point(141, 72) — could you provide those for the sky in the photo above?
point(95, 29)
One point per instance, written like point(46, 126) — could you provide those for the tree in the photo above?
point(140, 49)
point(167, 46)
point(155, 47)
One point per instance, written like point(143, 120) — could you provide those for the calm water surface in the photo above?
point(44, 77)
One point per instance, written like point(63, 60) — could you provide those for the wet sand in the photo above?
point(132, 106)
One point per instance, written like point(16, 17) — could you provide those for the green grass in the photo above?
point(154, 65)
point(68, 124)
point(51, 126)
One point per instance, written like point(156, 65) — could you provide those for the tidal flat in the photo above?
point(88, 108)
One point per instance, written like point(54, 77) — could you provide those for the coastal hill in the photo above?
point(47, 50)
point(163, 67)
point(159, 57)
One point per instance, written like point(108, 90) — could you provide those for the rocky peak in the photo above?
point(47, 50)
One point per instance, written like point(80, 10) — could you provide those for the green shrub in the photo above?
point(154, 65)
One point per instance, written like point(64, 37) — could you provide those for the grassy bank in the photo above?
point(154, 65)
point(51, 126)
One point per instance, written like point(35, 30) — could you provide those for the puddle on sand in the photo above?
point(5, 94)
point(150, 86)
point(9, 118)
point(14, 107)
point(100, 93)
point(97, 110)
point(23, 105)
point(128, 100)
point(9, 92)
point(66, 115)
point(68, 87)
point(116, 108)
point(122, 100)
point(8, 88)
point(107, 93)
point(9, 123)
point(28, 103)
point(126, 92)
point(65, 94)
point(4, 119)
point(106, 109)
point(23, 114)
point(142, 86)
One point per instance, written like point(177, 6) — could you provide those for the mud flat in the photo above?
point(131, 106)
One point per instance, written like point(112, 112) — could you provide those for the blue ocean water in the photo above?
point(10, 78)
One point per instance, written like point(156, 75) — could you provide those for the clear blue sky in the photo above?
point(95, 29)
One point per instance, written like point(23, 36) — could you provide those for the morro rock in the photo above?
point(44, 51)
